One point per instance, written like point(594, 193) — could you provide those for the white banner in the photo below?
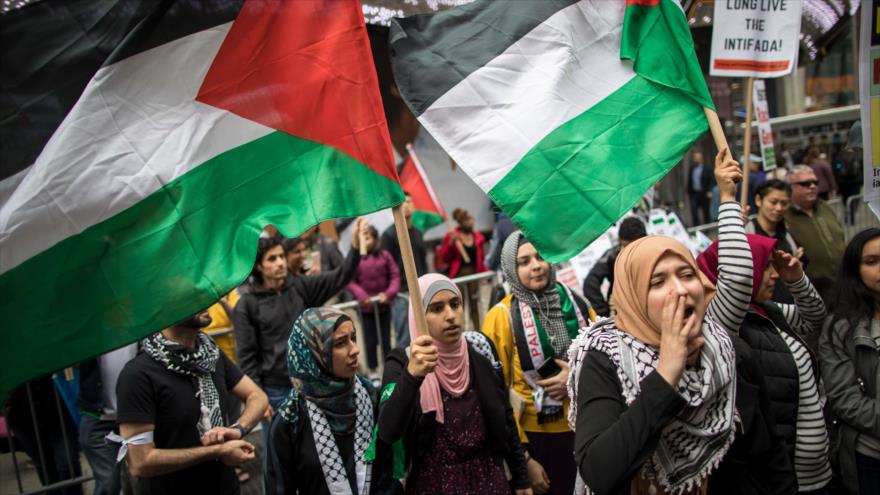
point(765, 135)
point(755, 38)
point(869, 89)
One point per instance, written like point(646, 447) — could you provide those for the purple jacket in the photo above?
point(377, 272)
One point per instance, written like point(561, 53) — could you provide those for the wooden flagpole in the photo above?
point(716, 129)
point(747, 143)
point(409, 269)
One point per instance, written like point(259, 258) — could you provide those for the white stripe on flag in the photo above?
point(136, 127)
point(557, 71)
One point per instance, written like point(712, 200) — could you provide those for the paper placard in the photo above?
point(765, 135)
point(869, 87)
point(755, 38)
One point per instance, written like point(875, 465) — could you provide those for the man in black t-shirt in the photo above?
point(172, 413)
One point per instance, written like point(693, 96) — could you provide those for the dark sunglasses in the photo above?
point(807, 183)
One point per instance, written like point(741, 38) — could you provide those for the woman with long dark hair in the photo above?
point(849, 354)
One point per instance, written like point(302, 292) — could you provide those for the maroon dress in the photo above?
point(459, 460)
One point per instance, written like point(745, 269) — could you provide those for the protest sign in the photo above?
point(755, 38)
point(869, 88)
point(765, 135)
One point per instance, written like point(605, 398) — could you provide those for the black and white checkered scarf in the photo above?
point(546, 303)
point(693, 444)
point(199, 364)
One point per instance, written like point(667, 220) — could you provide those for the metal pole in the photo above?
point(37, 434)
point(467, 299)
point(68, 450)
point(15, 462)
point(79, 480)
point(379, 338)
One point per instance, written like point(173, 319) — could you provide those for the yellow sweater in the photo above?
point(496, 326)
point(220, 321)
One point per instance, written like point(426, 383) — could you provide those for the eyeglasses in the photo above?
point(807, 183)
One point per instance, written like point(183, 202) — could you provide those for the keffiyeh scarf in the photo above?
point(693, 444)
point(334, 405)
point(547, 304)
point(539, 316)
point(199, 364)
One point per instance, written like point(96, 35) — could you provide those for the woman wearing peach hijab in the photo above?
point(444, 400)
point(655, 388)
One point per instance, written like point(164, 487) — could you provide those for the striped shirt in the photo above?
point(805, 316)
point(729, 307)
point(734, 287)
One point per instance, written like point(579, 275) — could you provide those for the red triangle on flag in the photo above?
point(304, 67)
point(414, 182)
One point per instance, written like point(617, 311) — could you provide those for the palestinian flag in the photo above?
point(147, 144)
point(565, 112)
point(428, 211)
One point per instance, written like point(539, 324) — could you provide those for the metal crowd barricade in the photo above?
point(69, 439)
point(860, 216)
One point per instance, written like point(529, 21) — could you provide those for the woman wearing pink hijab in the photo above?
point(445, 404)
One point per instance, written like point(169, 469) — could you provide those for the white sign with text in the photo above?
point(755, 38)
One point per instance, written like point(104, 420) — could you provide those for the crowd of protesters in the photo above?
point(753, 368)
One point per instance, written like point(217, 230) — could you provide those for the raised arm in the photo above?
point(734, 287)
point(807, 313)
point(316, 289)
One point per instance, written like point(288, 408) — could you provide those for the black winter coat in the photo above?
point(776, 363)
point(264, 317)
point(400, 415)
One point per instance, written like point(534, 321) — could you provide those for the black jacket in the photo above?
point(264, 317)
point(420, 252)
point(603, 269)
point(756, 462)
point(850, 370)
point(400, 415)
point(91, 387)
point(293, 465)
point(613, 441)
point(778, 367)
point(706, 178)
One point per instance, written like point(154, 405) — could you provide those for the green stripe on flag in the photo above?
point(425, 220)
point(658, 40)
point(175, 252)
point(591, 170)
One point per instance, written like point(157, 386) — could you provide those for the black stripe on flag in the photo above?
point(431, 53)
point(51, 49)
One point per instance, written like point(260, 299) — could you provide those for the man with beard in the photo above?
point(172, 399)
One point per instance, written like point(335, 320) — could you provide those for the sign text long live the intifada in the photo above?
point(757, 38)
